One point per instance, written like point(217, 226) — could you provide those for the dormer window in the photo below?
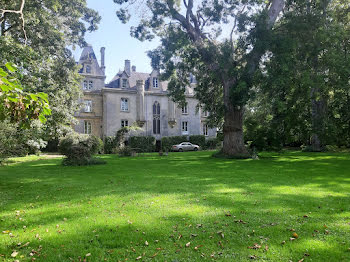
point(155, 82)
point(88, 69)
point(125, 83)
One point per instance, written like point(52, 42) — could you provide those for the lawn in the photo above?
point(181, 207)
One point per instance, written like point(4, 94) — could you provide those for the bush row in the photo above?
point(143, 143)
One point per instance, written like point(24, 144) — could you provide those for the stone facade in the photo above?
point(132, 97)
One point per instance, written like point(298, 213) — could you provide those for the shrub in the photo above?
point(109, 145)
point(79, 149)
point(125, 151)
point(212, 143)
point(143, 143)
point(169, 141)
point(198, 140)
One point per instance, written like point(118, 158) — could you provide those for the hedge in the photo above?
point(198, 140)
point(212, 143)
point(143, 143)
point(169, 141)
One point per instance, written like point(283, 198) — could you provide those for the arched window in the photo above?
point(156, 118)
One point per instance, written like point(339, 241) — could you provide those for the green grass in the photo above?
point(219, 206)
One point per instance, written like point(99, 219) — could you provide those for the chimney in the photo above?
point(103, 67)
point(133, 68)
point(127, 66)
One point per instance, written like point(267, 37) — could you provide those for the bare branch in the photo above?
point(20, 12)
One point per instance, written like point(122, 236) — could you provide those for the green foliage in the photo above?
point(303, 87)
point(125, 151)
point(79, 149)
point(45, 61)
point(143, 143)
point(168, 142)
point(16, 141)
point(198, 140)
point(19, 106)
point(113, 143)
point(212, 143)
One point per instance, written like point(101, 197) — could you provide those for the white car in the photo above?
point(185, 146)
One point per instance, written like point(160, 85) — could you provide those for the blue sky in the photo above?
point(115, 36)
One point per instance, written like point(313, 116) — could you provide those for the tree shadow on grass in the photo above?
point(278, 191)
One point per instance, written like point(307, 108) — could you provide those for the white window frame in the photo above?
point(88, 69)
point(155, 82)
point(85, 85)
point(124, 123)
point(90, 85)
point(205, 130)
point(184, 109)
point(184, 126)
point(87, 106)
point(126, 83)
point(124, 104)
point(205, 113)
point(87, 127)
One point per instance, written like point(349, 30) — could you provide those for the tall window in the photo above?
point(87, 127)
point(85, 85)
point(124, 123)
point(156, 118)
point(124, 105)
point(88, 69)
point(205, 129)
point(184, 109)
point(91, 85)
point(206, 113)
point(155, 82)
point(88, 106)
point(184, 127)
point(125, 83)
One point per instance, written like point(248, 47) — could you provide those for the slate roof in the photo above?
point(88, 54)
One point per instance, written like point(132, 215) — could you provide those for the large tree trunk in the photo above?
point(233, 127)
point(233, 134)
point(318, 108)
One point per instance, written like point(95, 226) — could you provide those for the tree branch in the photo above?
point(275, 8)
point(20, 12)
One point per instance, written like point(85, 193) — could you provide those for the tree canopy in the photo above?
point(39, 43)
point(193, 40)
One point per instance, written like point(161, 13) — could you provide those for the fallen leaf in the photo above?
point(139, 257)
point(292, 238)
point(14, 254)
point(154, 255)
point(146, 243)
point(188, 244)
point(256, 246)
point(88, 254)
point(266, 247)
point(196, 247)
point(6, 231)
point(295, 235)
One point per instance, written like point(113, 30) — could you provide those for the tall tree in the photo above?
point(36, 38)
point(304, 83)
point(193, 40)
